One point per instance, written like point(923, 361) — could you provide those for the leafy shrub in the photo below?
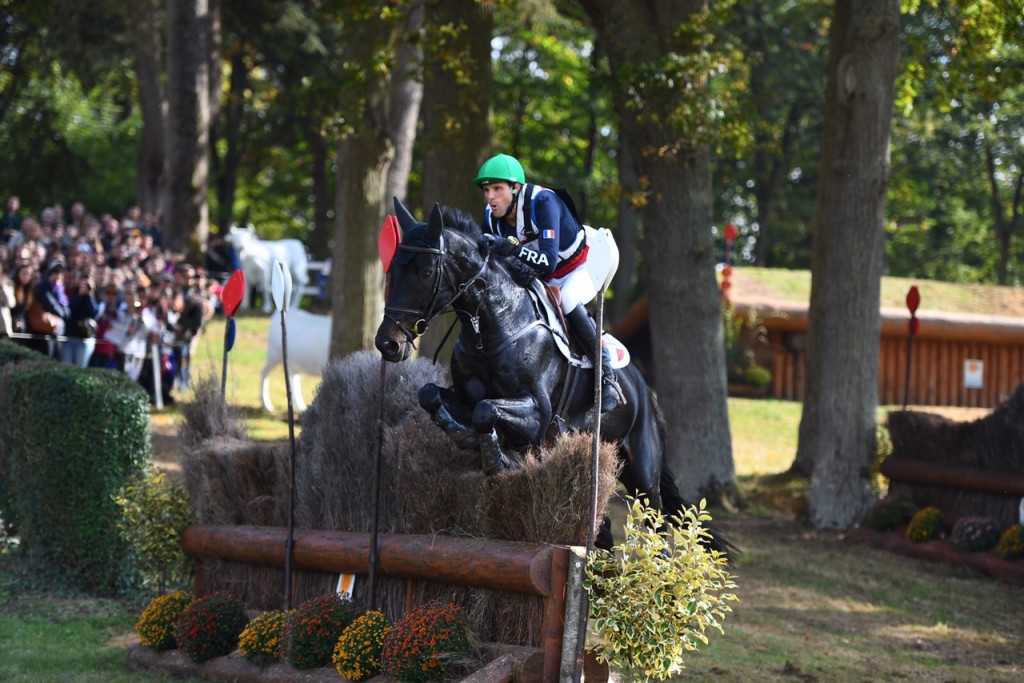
point(426, 643)
point(654, 596)
point(975, 534)
point(156, 624)
point(210, 626)
point(154, 512)
point(261, 640)
point(889, 514)
point(358, 651)
point(925, 525)
point(757, 375)
point(1011, 543)
point(71, 438)
point(313, 629)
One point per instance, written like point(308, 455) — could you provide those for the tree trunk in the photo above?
point(319, 238)
point(624, 286)
point(357, 286)
point(837, 428)
point(456, 115)
point(227, 166)
point(679, 254)
point(185, 222)
point(365, 155)
point(150, 180)
point(406, 96)
point(456, 120)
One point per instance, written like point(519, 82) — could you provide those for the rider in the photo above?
point(552, 241)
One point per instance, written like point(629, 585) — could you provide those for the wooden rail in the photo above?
point(953, 476)
point(528, 568)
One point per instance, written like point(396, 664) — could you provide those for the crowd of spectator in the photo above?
point(102, 291)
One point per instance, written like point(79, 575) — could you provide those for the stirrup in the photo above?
point(611, 393)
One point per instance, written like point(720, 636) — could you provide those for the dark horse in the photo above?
point(509, 377)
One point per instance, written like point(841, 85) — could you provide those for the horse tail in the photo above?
point(673, 502)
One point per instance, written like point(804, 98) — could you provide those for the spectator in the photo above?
point(49, 312)
point(6, 301)
point(10, 222)
point(80, 334)
point(111, 325)
point(23, 283)
point(158, 320)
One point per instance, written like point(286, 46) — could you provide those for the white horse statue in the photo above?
point(257, 257)
point(309, 341)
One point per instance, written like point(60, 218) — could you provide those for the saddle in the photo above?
point(547, 300)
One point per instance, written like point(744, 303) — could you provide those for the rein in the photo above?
point(431, 311)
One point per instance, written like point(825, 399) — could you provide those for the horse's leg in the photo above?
point(297, 398)
point(518, 418)
point(440, 403)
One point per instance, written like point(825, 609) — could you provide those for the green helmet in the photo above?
point(501, 168)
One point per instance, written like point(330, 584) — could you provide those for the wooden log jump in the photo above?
point(953, 476)
point(527, 568)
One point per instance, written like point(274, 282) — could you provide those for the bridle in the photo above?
point(427, 314)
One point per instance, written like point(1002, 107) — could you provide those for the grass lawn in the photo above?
point(813, 605)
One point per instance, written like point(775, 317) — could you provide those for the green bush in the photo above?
point(210, 626)
point(154, 512)
point(10, 355)
point(312, 630)
point(925, 525)
point(156, 624)
point(757, 375)
point(974, 534)
point(1011, 543)
point(889, 514)
point(653, 597)
point(71, 438)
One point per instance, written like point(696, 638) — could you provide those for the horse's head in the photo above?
point(422, 280)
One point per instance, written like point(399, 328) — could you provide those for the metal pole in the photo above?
point(595, 461)
point(376, 486)
point(290, 540)
point(224, 363)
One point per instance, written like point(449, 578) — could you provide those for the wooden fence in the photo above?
point(941, 348)
point(551, 572)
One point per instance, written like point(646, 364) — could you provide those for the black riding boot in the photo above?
point(586, 331)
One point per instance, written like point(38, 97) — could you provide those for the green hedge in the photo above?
point(10, 354)
point(70, 439)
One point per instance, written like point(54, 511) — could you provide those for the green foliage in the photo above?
point(889, 514)
point(357, 654)
point(883, 449)
point(154, 512)
point(974, 534)
point(757, 375)
point(925, 525)
point(653, 598)
point(261, 640)
point(209, 627)
point(71, 439)
point(156, 624)
point(312, 630)
point(741, 334)
point(10, 353)
point(1011, 543)
point(426, 643)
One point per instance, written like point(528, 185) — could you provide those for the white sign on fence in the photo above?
point(974, 373)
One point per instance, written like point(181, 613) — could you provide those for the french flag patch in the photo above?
point(547, 235)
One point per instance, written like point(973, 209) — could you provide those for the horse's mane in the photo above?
point(503, 250)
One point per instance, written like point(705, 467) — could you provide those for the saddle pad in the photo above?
point(619, 352)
